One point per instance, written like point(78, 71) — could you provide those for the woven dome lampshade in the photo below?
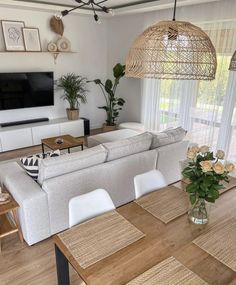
point(172, 50)
point(232, 65)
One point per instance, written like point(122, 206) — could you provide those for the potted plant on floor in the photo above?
point(205, 173)
point(113, 104)
point(74, 87)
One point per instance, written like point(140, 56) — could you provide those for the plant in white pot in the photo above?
point(74, 87)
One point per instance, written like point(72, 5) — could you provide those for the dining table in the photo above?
point(159, 242)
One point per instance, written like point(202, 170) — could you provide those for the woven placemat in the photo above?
point(220, 242)
point(168, 272)
point(166, 204)
point(99, 238)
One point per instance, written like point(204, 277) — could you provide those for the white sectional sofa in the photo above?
point(44, 205)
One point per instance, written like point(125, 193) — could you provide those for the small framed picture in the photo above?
point(32, 39)
point(13, 36)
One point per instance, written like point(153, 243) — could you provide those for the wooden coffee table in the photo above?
point(68, 143)
point(8, 224)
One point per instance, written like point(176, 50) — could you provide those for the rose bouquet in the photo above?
point(205, 171)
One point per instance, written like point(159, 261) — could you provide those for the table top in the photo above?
point(4, 208)
point(69, 142)
point(161, 241)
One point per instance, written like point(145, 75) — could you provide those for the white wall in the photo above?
point(87, 38)
point(123, 30)
point(99, 48)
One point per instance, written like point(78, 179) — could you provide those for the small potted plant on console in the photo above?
point(75, 91)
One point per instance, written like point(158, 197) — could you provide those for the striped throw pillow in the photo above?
point(31, 163)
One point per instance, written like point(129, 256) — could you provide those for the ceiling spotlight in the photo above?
point(97, 19)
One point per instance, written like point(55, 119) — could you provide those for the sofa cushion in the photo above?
point(31, 163)
point(168, 136)
point(125, 147)
point(56, 166)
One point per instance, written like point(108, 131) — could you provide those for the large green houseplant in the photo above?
point(113, 104)
point(75, 91)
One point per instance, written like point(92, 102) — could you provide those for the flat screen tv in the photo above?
point(26, 90)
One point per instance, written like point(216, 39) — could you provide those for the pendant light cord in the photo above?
point(174, 10)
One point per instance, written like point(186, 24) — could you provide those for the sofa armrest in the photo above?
point(33, 211)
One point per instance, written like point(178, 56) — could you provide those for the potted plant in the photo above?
point(205, 173)
point(113, 104)
point(74, 87)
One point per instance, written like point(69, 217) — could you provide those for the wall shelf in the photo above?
point(53, 53)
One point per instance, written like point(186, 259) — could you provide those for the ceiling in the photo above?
point(120, 6)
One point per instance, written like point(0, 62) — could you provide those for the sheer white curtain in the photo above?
point(204, 108)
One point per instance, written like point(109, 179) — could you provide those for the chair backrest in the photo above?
point(148, 182)
point(89, 205)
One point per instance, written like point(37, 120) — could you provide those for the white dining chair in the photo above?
point(148, 182)
point(89, 205)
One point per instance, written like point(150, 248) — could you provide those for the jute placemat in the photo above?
point(165, 204)
point(220, 242)
point(99, 238)
point(168, 272)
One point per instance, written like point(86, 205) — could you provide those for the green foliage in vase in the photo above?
point(113, 104)
point(206, 172)
point(74, 87)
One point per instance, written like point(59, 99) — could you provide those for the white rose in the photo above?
point(229, 167)
point(195, 148)
point(204, 149)
point(191, 154)
point(219, 168)
point(206, 165)
point(220, 154)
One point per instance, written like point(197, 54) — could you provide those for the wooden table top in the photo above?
point(4, 208)
point(161, 241)
point(69, 142)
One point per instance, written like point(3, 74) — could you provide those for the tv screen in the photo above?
point(26, 90)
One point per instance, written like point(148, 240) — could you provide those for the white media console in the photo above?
point(31, 134)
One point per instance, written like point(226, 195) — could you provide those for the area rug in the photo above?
point(99, 238)
point(165, 204)
point(168, 272)
point(220, 242)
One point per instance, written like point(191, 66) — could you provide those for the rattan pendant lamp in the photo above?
point(232, 66)
point(172, 50)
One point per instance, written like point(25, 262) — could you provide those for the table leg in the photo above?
point(68, 150)
point(16, 220)
point(63, 277)
point(42, 148)
point(82, 147)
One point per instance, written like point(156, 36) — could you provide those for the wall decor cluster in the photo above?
point(17, 37)
point(61, 44)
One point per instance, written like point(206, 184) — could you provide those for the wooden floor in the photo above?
point(21, 264)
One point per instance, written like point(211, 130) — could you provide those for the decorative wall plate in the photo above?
point(63, 44)
point(52, 47)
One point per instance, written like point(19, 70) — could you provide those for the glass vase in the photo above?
point(198, 213)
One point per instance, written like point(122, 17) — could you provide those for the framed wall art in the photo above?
point(32, 39)
point(13, 35)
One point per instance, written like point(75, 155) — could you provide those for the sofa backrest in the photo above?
point(129, 146)
point(168, 136)
point(56, 166)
